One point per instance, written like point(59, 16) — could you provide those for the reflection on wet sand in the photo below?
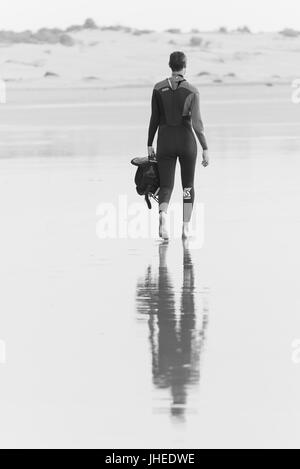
point(177, 330)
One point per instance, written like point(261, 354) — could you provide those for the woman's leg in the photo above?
point(166, 169)
point(188, 165)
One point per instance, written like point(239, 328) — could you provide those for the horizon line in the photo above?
point(171, 30)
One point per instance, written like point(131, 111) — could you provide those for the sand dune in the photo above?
point(108, 58)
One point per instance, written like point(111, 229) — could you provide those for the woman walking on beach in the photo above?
point(175, 111)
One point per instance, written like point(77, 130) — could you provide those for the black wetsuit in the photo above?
point(175, 111)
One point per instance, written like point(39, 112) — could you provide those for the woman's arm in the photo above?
point(197, 122)
point(154, 120)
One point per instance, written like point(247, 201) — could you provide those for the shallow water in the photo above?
point(134, 343)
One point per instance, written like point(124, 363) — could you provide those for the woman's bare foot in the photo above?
point(185, 230)
point(163, 232)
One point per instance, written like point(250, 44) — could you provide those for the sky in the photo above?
point(259, 15)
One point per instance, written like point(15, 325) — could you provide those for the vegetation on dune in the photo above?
point(117, 27)
point(16, 38)
point(90, 24)
point(66, 40)
point(244, 29)
point(173, 31)
point(74, 28)
point(139, 32)
point(203, 74)
point(51, 75)
point(289, 32)
point(223, 30)
point(46, 35)
point(64, 37)
point(126, 29)
point(42, 36)
point(60, 36)
point(196, 41)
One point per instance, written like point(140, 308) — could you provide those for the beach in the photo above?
point(129, 343)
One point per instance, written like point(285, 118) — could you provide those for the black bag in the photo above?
point(146, 179)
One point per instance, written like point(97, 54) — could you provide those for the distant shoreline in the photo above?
point(25, 87)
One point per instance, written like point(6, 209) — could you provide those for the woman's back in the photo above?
point(176, 102)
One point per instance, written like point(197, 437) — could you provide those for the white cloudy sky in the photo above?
point(154, 14)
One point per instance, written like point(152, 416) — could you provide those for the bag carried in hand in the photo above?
point(146, 179)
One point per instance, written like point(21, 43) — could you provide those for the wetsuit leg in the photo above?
point(187, 159)
point(166, 159)
point(176, 141)
point(166, 169)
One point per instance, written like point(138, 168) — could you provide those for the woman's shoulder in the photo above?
point(192, 88)
point(161, 84)
point(185, 83)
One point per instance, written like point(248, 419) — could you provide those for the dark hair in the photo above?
point(177, 61)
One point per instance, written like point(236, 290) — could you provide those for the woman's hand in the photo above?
point(151, 154)
point(205, 157)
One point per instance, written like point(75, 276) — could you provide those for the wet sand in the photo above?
point(132, 343)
